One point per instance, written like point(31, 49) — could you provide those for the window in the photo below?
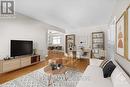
point(57, 40)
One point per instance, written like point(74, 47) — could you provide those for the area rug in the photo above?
point(38, 78)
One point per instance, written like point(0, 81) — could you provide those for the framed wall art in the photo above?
point(128, 27)
point(122, 36)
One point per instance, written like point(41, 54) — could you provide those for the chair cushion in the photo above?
point(108, 69)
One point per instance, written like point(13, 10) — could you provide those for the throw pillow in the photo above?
point(108, 69)
point(104, 62)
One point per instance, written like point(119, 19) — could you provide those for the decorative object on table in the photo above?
point(34, 51)
point(54, 65)
point(121, 36)
point(97, 42)
point(35, 46)
point(70, 43)
point(9, 58)
point(59, 66)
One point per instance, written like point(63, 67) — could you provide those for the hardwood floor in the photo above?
point(77, 64)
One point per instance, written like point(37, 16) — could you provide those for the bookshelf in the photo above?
point(97, 42)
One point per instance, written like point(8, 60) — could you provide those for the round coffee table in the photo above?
point(48, 70)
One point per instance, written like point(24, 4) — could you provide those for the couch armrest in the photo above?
point(95, 62)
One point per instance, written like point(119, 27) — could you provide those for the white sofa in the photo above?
point(93, 76)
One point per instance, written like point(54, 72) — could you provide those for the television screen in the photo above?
point(20, 47)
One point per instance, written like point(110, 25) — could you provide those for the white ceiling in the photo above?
point(68, 14)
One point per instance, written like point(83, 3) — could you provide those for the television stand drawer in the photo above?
point(10, 65)
point(25, 61)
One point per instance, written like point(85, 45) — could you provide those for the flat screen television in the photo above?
point(21, 47)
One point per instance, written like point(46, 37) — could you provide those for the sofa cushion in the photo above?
point(93, 72)
point(95, 62)
point(119, 78)
point(108, 69)
point(101, 82)
point(93, 77)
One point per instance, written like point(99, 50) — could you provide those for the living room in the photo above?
point(82, 43)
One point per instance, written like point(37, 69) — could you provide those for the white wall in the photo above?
point(22, 28)
point(120, 8)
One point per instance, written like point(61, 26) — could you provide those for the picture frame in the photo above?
point(128, 30)
point(122, 36)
